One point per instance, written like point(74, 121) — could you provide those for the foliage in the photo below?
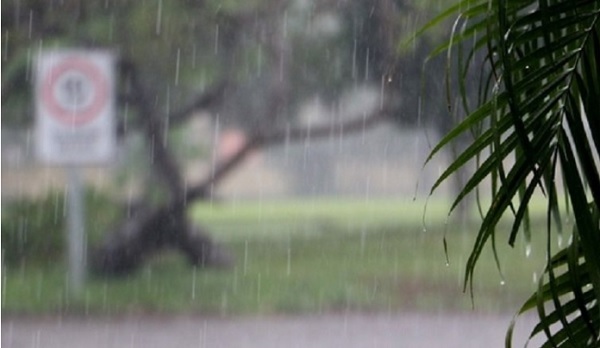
point(33, 229)
point(537, 120)
point(250, 65)
point(150, 33)
point(182, 47)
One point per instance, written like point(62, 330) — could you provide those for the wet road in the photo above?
point(330, 330)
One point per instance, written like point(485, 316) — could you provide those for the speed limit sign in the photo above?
point(75, 107)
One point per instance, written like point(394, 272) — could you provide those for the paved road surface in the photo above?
point(331, 330)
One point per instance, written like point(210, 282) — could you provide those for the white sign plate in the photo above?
point(74, 102)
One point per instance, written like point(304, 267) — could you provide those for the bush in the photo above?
point(33, 230)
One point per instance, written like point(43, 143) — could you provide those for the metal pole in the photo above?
point(76, 233)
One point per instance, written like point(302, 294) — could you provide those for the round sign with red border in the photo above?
point(75, 91)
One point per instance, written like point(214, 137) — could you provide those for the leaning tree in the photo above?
point(251, 65)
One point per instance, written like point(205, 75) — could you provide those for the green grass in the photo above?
point(298, 257)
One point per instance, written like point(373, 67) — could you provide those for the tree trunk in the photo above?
point(149, 231)
point(152, 229)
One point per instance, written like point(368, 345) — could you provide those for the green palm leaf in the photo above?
point(539, 115)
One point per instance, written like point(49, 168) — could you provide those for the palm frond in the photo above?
point(539, 115)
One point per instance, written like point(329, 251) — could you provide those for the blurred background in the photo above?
point(270, 159)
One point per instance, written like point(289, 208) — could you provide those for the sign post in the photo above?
point(76, 236)
point(75, 127)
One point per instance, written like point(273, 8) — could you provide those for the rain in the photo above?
point(243, 174)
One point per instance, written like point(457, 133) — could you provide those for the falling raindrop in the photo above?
point(65, 203)
point(289, 260)
point(185, 191)
point(217, 39)
point(5, 46)
point(281, 67)
point(132, 339)
point(9, 340)
point(382, 92)
point(104, 295)
point(57, 207)
point(345, 322)
point(152, 145)
point(363, 239)
point(37, 339)
point(194, 284)
point(149, 277)
point(30, 24)
point(385, 163)
point(364, 135)
point(570, 239)
point(341, 138)
point(528, 250)
point(354, 74)
point(87, 303)
point(306, 149)
point(165, 135)
point(560, 240)
point(194, 56)
point(246, 257)
point(211, 193)
point(286, 147)
point(368, 189)
point(224, 302)
point(29, 65)
point(159, 17)
point(202, 334)
point(177, 63)
point(234, 283)
point(216, 139)
point(129, 201)
point(39, 286)
point(258, 285)
point(535, 278)
point(259, 60)
point(502, 282)
point(367, 66)
point(4, 286)
point(285, 24)
point(373, 292)
point(420, 111)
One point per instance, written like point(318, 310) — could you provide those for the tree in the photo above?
point(538, 117)
point(146, 35)
point(248, 64)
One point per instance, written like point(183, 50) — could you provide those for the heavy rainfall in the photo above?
point(219, 173)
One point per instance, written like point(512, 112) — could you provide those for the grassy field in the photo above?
point(299, 257)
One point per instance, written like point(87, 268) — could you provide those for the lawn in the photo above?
point(299, 257)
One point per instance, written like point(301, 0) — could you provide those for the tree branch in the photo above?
point(206, 100)
point(160, 157)
point(205, 188)
point(164, 161)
